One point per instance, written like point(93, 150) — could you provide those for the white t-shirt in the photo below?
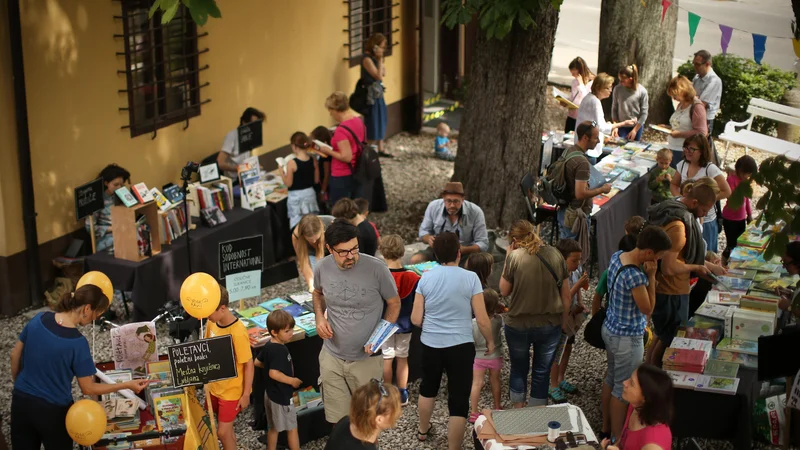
point(231, 146)
point(681, 120)
point(710, 170)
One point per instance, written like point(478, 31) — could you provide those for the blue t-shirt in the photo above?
point(448, 292)
point(623, 317)
point(52, 356)
point(441, 143)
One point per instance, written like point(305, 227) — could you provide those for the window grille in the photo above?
point(365, 17)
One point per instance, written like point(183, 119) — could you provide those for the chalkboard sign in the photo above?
point(202, 361)
point(241, 255)
point(89, 198)
point(250, 136)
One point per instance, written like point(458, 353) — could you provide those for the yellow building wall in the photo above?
point(281, 56)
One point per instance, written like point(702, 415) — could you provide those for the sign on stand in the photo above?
point(241, 255)
point(89, 198)
point(250, 135)
point(202, 361)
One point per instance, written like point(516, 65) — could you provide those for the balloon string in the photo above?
point(93, 347)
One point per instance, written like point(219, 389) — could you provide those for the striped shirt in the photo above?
point(623, 317)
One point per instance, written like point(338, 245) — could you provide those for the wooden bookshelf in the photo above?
point(161, 214)
point(194, 203)
point(126, 241)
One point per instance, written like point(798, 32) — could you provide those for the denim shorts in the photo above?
point(625, 354)
point(668, 313)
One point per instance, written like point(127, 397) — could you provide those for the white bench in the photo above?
point(751, 139)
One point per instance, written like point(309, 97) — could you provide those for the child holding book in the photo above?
point(441, 146)
point(493, 362)
point(228, 397)
point(363, 208)
point(396, 347)
point(735, 220)
point(280, 381)
point(300, 174)
point(661, 176)
point(571, 251)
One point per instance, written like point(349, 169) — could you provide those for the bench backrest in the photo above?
point(781, 113)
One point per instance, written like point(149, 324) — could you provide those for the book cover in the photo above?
point(173, 193)
point(275, 303)
point(753, 238)
point(716, 297)
point(721, 385)
point(743, 359)
point(760, 265)
point(160, 379)
point(775, 283)
point(158, 366)
point(744, 254)
point(169, 412)
point(421, 268)
point(751, 324)
point(721, 368)
point(126, 408)
point(133, 346)
point(308, 323)
point(117, 376)
point(301, 297)
point(161, 201)
point(142, 193)
point(683, 380)
point(685, 356)
point(382, 332)
point(737, 284)
point(713, 311)
point(693, 344)
point(295, 310)
point(259, 321)
point(738, 346)
point(759, 304)
point(747, 274)
point(766, 276)
point(126, 197)
point(253, 312)
point(661, 128)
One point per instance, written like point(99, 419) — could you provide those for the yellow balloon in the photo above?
point(200, 295)
point(100, 280)
point(86, 422)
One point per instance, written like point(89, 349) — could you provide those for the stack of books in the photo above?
point(122, 413)
point(218, 196)
point(685, 360)
point(255, 318)
point(173, 223)
point(306, 398)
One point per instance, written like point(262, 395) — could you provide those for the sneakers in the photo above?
point(403, 397)
point(557, 395)
point(567, 387)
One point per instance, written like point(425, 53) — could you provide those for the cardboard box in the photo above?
point(749, 324)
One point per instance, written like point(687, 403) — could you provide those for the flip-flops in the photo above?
point(424, 436)
point(557, 395)
point(473, 416)
point(567, 387)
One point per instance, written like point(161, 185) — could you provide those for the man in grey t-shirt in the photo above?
point(353, 289)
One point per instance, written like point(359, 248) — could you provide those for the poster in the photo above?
point(133, 346)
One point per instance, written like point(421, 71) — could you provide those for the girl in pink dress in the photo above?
point(649, 395)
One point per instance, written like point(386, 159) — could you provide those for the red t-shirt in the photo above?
point(338, 168)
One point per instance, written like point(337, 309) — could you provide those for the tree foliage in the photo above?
point(198, 9)
point(497, 17)
point(781, 202)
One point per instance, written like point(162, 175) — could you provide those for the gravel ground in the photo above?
point(412, 179)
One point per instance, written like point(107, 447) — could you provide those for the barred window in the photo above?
point(366, 17)
point(161, 66)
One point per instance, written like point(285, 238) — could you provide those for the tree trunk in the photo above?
point(633, 34)
point(500, 136)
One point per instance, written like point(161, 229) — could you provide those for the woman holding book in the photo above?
point(300, 174)
point(591, 110)
point(51, 352)
point(695, 165)
point(649, 395)
point(581, 85)
point(114, 177)
point(346, 144)
point(308, 240)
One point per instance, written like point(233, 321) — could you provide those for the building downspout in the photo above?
point(24, 155)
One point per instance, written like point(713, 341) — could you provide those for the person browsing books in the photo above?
point(631, 298)
point(308, 240)
point(452, 213)
point(300, 174)
point(352, 289)
point(735, 220)
point(591, 110)
point(48, 354)
point(582, 79)
point(688, 119)
point(229, 156)
point(649, 393)
point(629, 101)
point(229, 397)
point(114, 177)
point(447, 296)
point(279, 380)
point(375, 408)
point(367, 234)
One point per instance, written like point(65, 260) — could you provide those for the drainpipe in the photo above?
point(24, 155)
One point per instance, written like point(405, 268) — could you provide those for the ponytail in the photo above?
point(631, 71)
point(524, 236)
point(88, 294)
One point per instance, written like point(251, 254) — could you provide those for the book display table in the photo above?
point(157, 279)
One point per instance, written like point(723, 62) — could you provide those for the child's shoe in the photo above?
point(403, 397)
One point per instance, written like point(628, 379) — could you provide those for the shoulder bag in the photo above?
point(591, 333)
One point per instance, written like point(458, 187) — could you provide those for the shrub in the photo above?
point(743, 79)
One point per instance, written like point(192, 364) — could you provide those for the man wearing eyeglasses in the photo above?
point(453, 214)
point(708, 86)
point(352, 292)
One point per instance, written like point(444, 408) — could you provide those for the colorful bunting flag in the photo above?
point(664, 6)
point(694, 20)
point(759, 47)
point(726, 38)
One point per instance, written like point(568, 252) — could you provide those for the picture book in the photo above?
point(161, 201)
point(275, 303)
point(299, 333)
point(119, 409)
point(382, 332)
point(760, 265)
point(738, 346)
point(142, 193)
point(127, 198)
point(721, 368)
point(736, 284)
point(765, 276)
point(253, 312)
point(422, 267)
point(715, 297)
point(295, 310)
point(320, 144)
point(158, 366)
point(154, 393)
point(744, 254)
point(772, 285)
point(749, 325)
point(713, 311)
point(692, 344)
point(683, 380)
point(711, 335)
point(173, 193)
point(721, 385)
point(117, 376)
point(759, 304)
point(743, 359)
point(621, 185)
point(564, 99)
point(684, 360)
point(169, 412)
point(258, 336)
point(259, 321)
point(753, 238)
point(133, 346)
point(747, 274)
point(307, 323)
point(301, 297)
point(600, 200)
point(160, 379)
point(284, 161)
point(661, 128)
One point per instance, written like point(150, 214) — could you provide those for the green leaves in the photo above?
point(198, 9)
point(497, 17)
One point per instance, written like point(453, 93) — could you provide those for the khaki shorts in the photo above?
point(341, 378)
point(396, 346)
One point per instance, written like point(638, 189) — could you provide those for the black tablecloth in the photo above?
point(609, 222)
point(718, 416)
point(158, 279)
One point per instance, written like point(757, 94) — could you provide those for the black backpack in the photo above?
point(368, 166)
point(358, 99)
point(553, 186)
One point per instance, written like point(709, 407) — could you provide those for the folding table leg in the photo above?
point(125, 304)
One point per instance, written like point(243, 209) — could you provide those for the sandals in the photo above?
point(473, 416)
point(557, 395)
point(567, 387)
point(424, 436)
